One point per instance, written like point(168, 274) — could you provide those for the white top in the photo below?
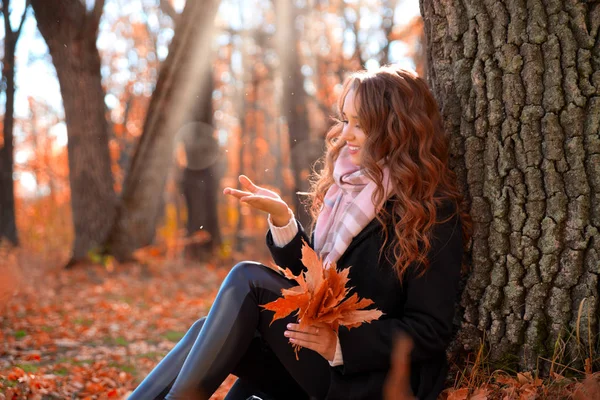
point(282, 236)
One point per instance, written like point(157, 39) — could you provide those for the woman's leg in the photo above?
point(159, 381)
point(261, 373)
point(229, 328)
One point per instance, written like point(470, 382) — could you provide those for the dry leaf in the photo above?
point(480, 394)
point(589, 389)
point(459, 394)
point(506, 380)
point(528, 392)
point(321, 296)
point(524, 377)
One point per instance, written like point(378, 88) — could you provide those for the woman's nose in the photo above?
point(346, 133)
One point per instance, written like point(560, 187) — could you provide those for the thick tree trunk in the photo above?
point(177, 87)
point(519, 87)
point(8, 225)
point(70, 33)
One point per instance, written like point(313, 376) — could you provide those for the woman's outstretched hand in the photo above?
point(318, 337)
point(262, 199)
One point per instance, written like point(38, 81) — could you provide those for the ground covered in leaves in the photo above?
point(95, 332)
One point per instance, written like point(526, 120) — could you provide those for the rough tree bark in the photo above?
point(8, 224)
point(177, 87)
point(70, 32)
point(518, 83)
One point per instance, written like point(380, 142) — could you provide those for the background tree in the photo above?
point(8, 226)
point(201, 175)
point(177, 86)
point(70, 31)
point(519, 87)
point(293, 102)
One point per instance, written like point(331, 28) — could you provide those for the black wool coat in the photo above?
point(421, 306)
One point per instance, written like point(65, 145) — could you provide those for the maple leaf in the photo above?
point(321, 296)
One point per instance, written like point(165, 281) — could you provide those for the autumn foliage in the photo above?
point(321, 296)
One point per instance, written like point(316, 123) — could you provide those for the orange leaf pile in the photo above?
point(321, 296)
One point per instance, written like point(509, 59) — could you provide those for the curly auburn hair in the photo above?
point(402, 123)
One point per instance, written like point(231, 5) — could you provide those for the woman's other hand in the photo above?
point(318, 337)
point(262, 199)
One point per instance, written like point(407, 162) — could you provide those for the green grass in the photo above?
point(123, 367)
point(173, 336)
point(7, 384)
point(20, 334)
point(83, 321)
point(121, 341)
point(118, 341)
point(81, 362)
point(29, 368)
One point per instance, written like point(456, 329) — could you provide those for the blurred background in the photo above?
point(125, 119)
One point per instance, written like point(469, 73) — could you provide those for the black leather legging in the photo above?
point(237, 337)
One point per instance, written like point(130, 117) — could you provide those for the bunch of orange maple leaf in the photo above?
point(321, 296)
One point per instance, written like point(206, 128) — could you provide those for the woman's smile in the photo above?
point(353, 149)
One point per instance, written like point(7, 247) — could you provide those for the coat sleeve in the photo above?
point(290, 255)
point(427, 314)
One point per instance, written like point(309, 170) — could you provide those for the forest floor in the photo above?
point(94, 332)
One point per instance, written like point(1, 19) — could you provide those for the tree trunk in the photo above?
point(178, 84)
point(8, 225)
point(293, 104)
point(200, 182)
point(70, 33)
point(519, 87)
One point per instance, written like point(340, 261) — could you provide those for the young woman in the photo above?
point(385, 204)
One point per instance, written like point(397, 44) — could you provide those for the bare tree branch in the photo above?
point(95, 15)
point(27, 3)
point(7, 28)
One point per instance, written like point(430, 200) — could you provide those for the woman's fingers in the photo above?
point(257, 197)
point(302, 337)
point(248, 184)
point(318, 337)
point(313, 330)
point(264, 203)
point(236, 193)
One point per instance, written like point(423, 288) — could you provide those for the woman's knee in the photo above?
point(197, 326)
point(246, 271)
point(251, 275)
point(192, 333)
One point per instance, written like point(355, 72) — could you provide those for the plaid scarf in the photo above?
point(347, 208)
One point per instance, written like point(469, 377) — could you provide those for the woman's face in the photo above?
point(352, 132)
